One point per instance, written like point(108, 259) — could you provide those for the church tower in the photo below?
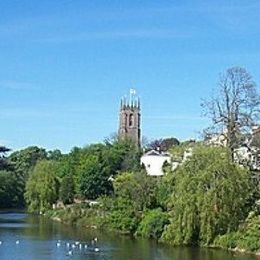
point(130, 119)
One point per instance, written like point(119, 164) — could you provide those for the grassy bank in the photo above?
point(79, 215)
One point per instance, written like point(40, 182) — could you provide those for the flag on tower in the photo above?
point(132, 91)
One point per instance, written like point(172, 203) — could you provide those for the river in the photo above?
point(24, 236)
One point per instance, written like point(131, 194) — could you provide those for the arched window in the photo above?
point(131, 120)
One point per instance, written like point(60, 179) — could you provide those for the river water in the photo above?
point(26, 237)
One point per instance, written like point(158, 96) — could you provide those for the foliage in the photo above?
point(163, 144)
point(67, 189)
point(164, 189)
point(55, 155)
point(94, 178)
point(7, 189)
point(177, 152)
point(209, 197)
point(122, 216)
point(42, 187)
point(246, 238)
point(98, 163)
point(126, 155)
point(23, 162)
point(152, 224)
point(138, 188)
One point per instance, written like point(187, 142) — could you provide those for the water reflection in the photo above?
point(41, 238)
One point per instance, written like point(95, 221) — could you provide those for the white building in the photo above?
point(248, 156)
point(154, 161)
point(218, 139)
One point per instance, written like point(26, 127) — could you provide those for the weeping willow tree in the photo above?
point(42, 186)
point(209, 198)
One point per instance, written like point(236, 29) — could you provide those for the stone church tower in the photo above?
point(130, 120)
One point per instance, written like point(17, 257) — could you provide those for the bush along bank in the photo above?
point(245, 239)
point(123, 220)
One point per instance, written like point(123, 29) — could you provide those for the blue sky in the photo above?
point(66, 63)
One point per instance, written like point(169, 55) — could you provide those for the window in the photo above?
point(131, 120)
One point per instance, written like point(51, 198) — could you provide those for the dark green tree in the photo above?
point(23, 162)
point(94, 178)
point(163, 144)
point(8, 196)
point(67, 189)
point(55, 155)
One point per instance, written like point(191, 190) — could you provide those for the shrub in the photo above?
point(246, 238)
point(123, 217)
point(152, 224)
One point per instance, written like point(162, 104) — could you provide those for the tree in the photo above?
point(67, 189)
point(99, 162)
point(152, 224)
point(209, 198)
point(122, 216)
point(235, 108)
point(94, 180)
point(138, 188)
point(7, 189)
point(55, 155)
point(42, 186)
point(23, 162)
point(163, 144)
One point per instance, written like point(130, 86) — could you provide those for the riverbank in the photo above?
point(38, 237)
point(87, 217)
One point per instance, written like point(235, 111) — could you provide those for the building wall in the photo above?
point(154, 163)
